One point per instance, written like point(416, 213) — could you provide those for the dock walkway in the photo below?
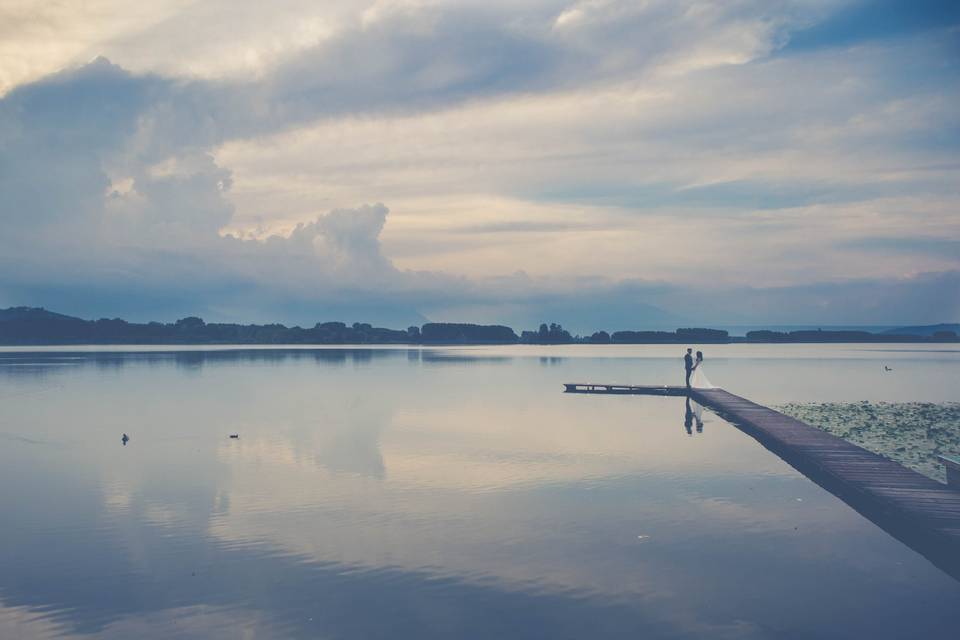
point(624, 389)
point(919, 511)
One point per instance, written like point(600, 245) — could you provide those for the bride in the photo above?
point(699, 379)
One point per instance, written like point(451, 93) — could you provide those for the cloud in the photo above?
point(743, 158)
point(860, 301)
point(103, 205)
point(630, 157)
point(589, 304)
point(947, 247)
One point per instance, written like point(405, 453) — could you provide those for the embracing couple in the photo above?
point(695, 376)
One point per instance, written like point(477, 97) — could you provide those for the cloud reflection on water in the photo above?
point(397, 498)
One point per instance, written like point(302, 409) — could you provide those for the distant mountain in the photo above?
point(33, 314)
point(924, 330)
point(23, 325)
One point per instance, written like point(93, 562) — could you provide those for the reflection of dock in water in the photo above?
point(917, 510)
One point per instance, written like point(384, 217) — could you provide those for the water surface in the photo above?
point(398, 492)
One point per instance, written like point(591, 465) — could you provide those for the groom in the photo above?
point(688, 365)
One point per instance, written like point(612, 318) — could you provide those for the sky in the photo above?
point(604, 164)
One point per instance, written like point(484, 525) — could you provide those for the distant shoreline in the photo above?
point(400, 345)
point(306, 348)
point(37, 327)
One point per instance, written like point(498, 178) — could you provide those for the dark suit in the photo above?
point(688, 365)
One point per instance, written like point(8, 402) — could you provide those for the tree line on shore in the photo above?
point(27, 326)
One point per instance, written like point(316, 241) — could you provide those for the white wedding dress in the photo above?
point(699, 379)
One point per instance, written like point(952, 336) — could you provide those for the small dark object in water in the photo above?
point(124, 439)
point(234, 435)
point(886, 368)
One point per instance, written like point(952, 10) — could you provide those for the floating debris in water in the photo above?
point(911, 433)
point(234, 435)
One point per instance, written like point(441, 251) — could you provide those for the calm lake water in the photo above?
point(408, 493)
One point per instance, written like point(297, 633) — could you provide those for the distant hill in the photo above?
point(925, 330)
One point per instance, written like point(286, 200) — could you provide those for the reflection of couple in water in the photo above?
point(693, 413)
point(696, 379)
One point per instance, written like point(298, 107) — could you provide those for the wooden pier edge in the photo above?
point(920, 512)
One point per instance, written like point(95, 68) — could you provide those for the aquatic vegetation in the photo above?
point(911, 433)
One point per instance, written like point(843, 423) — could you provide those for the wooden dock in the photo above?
point(624, 389)
point(919, 511)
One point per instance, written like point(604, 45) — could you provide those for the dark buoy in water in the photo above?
point(234, 435)
point(125, 439)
